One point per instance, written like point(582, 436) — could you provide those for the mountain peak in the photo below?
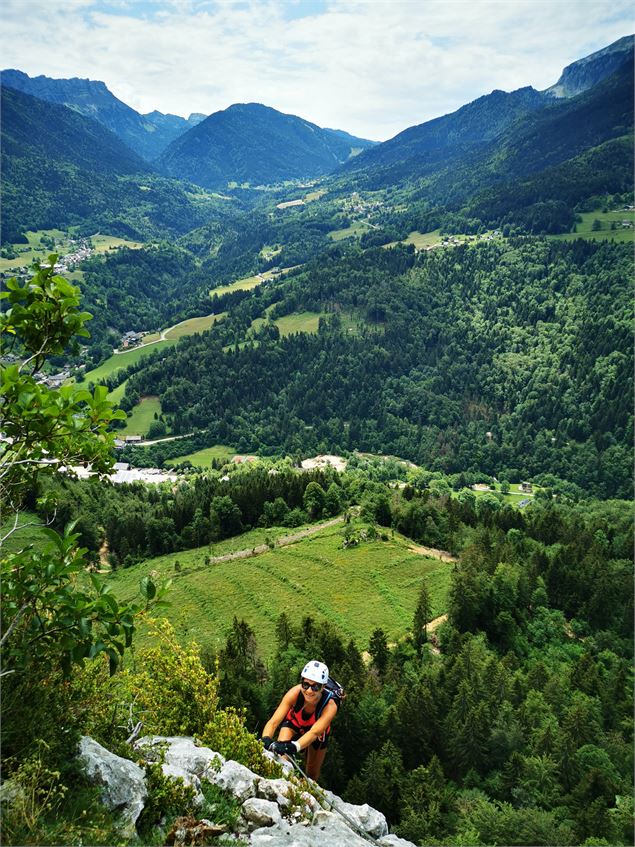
point(583, 74)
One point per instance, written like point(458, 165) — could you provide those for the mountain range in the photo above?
point(147, 134)
point(499, 117)
point(57, 132)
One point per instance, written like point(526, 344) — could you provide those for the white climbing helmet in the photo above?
point(315, 671)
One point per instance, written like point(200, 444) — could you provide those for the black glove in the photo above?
point(284, 748)
point(266, 741)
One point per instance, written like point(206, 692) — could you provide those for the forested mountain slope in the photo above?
point(61, 168)
point(498, 137)
point(430, 145)
point(529, 341)
point(255, 144)
point(147, 135)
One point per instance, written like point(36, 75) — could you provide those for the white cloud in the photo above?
point(372, 68)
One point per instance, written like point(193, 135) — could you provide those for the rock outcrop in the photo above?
point(273, 812)
point(122, 782)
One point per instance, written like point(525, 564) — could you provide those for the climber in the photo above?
point(304, 716)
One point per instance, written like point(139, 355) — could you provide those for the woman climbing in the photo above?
point(304, 716)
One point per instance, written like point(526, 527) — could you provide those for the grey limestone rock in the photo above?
point(395, 841)
point(364, 816)
point(181, 753)
point(327, 830)
point(237, 779)
point(123, 782)
point(260, 813)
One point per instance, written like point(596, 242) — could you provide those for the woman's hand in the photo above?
point(284, 748)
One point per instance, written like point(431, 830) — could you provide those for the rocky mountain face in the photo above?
point(146, 135)
point(171, 126)
point(255, 144)
point(273, 812)
point(585, 73)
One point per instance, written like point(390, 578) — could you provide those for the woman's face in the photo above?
point(312, 690)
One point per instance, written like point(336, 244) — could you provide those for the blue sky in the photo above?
point(370, 67)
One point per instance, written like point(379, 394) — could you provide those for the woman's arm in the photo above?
point(281, 712)
point(320, 726)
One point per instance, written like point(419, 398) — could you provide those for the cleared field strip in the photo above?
point(142, 416)
point(616, 217)
point(192, 325)
point(353, 231)
point(359, 589)
point(249, 282)
point(121, 360)
point(203, 458)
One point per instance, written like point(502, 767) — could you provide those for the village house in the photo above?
point(526, 487)
point(131, 338)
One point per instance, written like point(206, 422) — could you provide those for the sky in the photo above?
point(369, 67)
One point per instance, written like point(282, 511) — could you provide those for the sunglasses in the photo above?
point(314, 686)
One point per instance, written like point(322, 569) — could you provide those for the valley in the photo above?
point(292, 393)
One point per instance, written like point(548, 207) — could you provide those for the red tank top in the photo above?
point(301, 720)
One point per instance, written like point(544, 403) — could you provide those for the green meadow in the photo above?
point(299, 322)
point(203, 458)
point(103, 243)
point(29, 531)
point(248, 283)
point(29, 253)
point(353, 231)
point(121, 360)
point(375, 584)
point(615, 217)
point(142, 416)
point(193, 325)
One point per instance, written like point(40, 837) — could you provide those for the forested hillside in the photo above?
point(252, 143)
point(529, 341)
point(61, 168)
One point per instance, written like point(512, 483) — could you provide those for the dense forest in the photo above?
point(528, 340)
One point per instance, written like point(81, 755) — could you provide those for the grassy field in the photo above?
point(193, 325)
point(353, 231)
point(203, 458)
point(298, 322)
point(423, 239)
point(29, 532)
point(585, 228)
point(122, 360)
point(116, 395)
point(359, 589)
point(142, 416)
point(249, 282)
point(28, 253)
point(104, 243)
point(290, 203)
point(315, 195)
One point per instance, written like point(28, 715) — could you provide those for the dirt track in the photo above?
point(433, 553)
point(280, 542)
